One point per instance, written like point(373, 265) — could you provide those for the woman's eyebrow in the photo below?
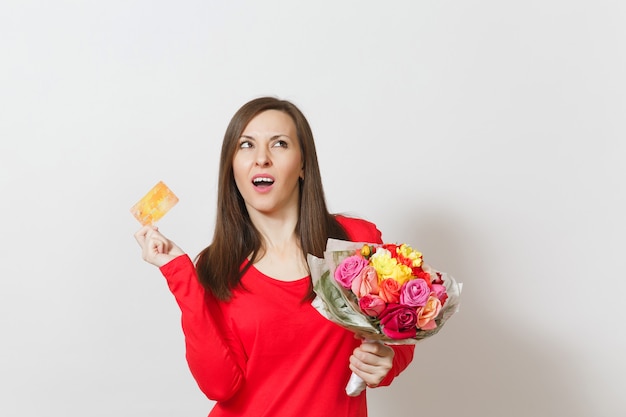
point(280, 135)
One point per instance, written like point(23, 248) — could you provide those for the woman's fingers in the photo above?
point(372, 362)
point(376, 348)
point(145, 233)
point(140, 235)
point(155, 248)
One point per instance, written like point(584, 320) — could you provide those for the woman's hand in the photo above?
point(156, 248)
point(372, 361)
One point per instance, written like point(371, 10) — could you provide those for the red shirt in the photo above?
point(266, 352)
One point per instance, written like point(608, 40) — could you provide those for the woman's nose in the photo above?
point(263, 158)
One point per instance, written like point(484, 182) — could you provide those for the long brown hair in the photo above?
point(219, 266)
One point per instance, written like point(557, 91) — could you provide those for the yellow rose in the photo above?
point(409, 253)
point(383, 262)
point(400, 273)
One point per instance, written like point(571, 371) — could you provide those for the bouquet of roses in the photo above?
point(382, 292)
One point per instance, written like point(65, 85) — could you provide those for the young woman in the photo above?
point(254, 343)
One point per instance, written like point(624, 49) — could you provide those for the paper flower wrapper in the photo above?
point(341, 306)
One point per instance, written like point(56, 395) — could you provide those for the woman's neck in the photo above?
point(277, 231)
point(281, 254)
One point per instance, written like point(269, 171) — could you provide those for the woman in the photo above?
point(254, 343)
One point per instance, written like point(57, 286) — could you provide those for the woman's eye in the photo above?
point(244, 144)
point(280, 144)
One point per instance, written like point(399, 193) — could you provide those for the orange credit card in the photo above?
point(154, 205)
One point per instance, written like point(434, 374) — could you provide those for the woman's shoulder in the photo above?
point(359, 230)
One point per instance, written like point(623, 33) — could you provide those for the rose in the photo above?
point(372, 305)
point(348, 269)
point(400, 273)
point(415, 293)
point(387, 265)
point(366, 251)
point(426, 315)
point(366, 282)
point(410, 257)
point(398, 321)
point(421, 274)
point(391, 247)
point(383, 262)
point(389, 290)
point(430, 274)
point(440, 292)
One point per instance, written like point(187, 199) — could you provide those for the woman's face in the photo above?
point(268, 164)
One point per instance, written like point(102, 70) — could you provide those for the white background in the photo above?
point(489, 134)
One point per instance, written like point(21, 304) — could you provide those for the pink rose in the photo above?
point(389, 290)
point(415, 293)
point(398, 321)
point(348, 269)
point(366, 282)
point(372, 305)
point(440, 292)
point(426, 315)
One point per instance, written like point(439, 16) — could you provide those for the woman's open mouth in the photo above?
point(262, 181)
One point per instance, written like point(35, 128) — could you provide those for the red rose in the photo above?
point(398, 321)
point(420, 273)
point(391, 247)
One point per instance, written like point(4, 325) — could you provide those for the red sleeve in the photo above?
point(359, 230)
point(402, 359)
point(212, 354)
